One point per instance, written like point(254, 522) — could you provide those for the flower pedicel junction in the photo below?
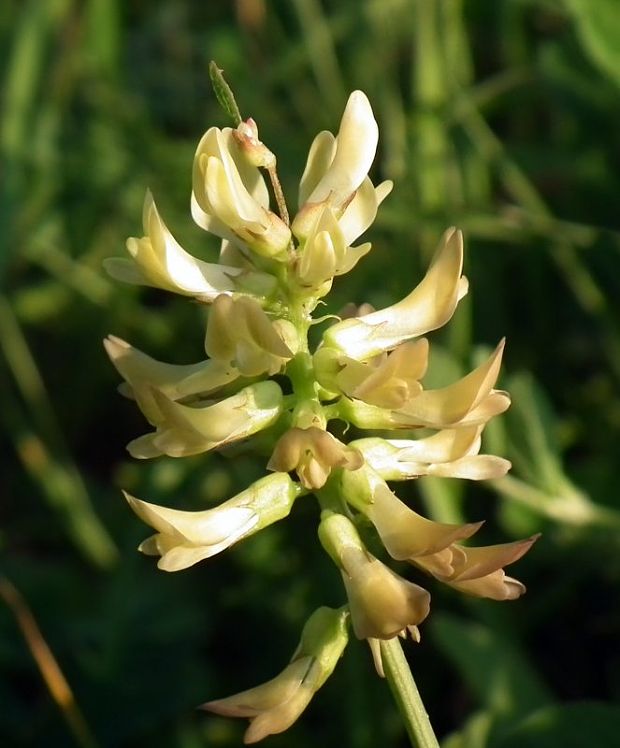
point(366, 371)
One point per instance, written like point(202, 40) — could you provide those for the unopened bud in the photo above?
point(257, 153)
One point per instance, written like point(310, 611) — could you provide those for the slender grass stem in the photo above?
point(406, 695)
point(49, 668)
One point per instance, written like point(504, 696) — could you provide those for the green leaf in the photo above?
point(598, 29)
point(570, 726)
point(223, 93)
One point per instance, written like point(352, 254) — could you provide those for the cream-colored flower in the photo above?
point(273, 706)
point(450, 453)
point(184, 538)
point(230, 198)
point(312, 453)
point(159, 260)
point(405, 534)
point(470, 401)
point(325, 254)
point(453, 404)
point(478, 571)
point(240, 335)
point(382, 603)
point(362, 210)
point(337, 168)
point(184, 430)
point(142, 374)
point(429, 306)
point(387, 381)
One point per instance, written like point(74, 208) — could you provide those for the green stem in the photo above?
point(406, 695)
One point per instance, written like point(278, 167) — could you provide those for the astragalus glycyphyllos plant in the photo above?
point(367, 371)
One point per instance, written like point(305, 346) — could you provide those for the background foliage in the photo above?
point(500, 118)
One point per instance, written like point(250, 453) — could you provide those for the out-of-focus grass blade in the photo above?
point(569, 725)
point(574, 271)
point(44, 249)
point(598, 28)
point(103, 42)
point(474, 734)
point(321, 52)
point(542, 484)
point(42, 449)
point(20, 89)
point(496, 670)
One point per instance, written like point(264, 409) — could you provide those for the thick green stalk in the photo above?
point(406, 694)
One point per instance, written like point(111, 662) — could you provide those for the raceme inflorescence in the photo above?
point(367, 371)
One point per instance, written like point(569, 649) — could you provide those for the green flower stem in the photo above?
point(406, 694)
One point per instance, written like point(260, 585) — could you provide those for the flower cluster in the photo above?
point(367, 371)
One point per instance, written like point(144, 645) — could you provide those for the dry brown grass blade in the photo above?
point(48, 665)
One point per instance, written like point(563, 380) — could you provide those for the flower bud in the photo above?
point(240, 334)
point(313, 453)
point(184, 430)
point(273, 706)
point(382, 604)
point(387, 381)
point(325, 253)
point(256, 153)
point(230, 198)
point(184, 538)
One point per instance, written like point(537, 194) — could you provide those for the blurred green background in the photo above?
point(500, 118)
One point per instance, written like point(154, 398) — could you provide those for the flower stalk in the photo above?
point(410, 705)
point(368, 370)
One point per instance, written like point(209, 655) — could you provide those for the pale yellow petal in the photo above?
point(382, 603)
point(175, 380)
point(356, 145)
point(279, 718)
point(429, 306)
point(480, 561)
point(208, 527)
point(495, 586)
point(444, 446)
point(320, 156)
point(185, 430)
point(182, 556)
point(449, 405)
point(267, 696)
point(476, 467)
point(407, 534)
point(351, 257)
point(230, 201)
point(125, 270)
point(362, 210)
